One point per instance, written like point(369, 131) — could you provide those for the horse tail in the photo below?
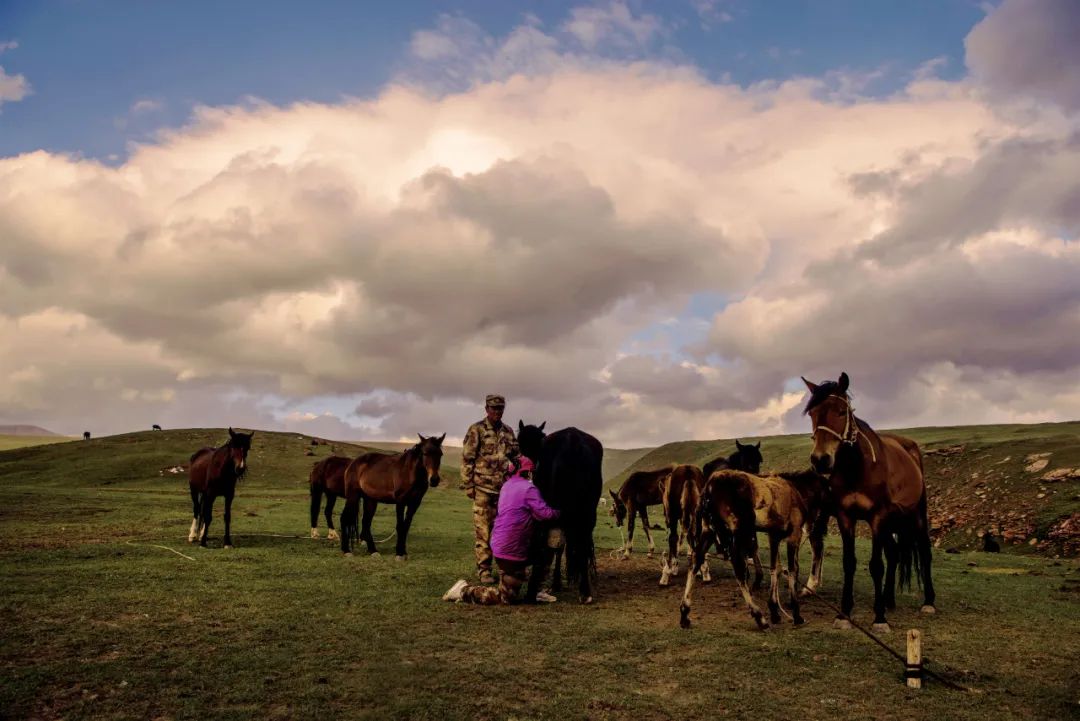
point(907, 545)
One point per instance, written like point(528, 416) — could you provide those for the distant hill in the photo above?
point(25, 430)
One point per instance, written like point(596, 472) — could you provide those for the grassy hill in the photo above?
point(978, 478)
point(9, 441)
point(109, 614)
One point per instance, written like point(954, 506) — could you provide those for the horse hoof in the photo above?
point(798, 620)
point(587, 600)
point(928, 609)
point(314, 533)
point(401, 558)
point(332, 535)
point(881, 628)
point(625, 556)
point(227, 546)
point(375, 554)
point(842, 624)
point(665, 582)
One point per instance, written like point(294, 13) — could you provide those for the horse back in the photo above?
point(329, 474)
point(644, 487)
point(199, 469)
point(378, 476)
point(904, 482)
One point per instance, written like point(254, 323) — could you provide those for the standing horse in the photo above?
point(214, 472)
point(745, 458)
point(680, 491)
point(327, 477)
point(380, 478)
point(569, 476)
point(734, 506)
point(640, 490)
point(877, 478)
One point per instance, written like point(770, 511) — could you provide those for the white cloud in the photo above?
point(6, 45)
point(13, 88)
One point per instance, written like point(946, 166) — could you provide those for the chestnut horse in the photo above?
point(640, 490)
point(214, 472)
point(877, 478)
point(734, 506)
point(401, 479)
point(327, 477)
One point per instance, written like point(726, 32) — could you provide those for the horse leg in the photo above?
point(759, 573)
point(817, 552)
point(631, 515)
point(698, 554)
point(227, 543)
point(207, 511)
point(365, 529)
point(793, 543)
point(669, 560)
point(316, 501)
point(922, 534)
point(644, 511)
point(738, 554)
point(196, 508)
point(583, 562)
point(877, 572)
point(402, 528)
point(556, 573)
point(331, 499)
point(847, 597)
point(349, 515)
point(774, 577)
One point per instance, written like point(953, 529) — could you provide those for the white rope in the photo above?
point(154, 545)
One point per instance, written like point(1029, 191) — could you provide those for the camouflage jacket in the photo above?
point(484, 455)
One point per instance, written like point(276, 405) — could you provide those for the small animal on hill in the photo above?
point(155, 427)
point(86, 435)
point(989, 544)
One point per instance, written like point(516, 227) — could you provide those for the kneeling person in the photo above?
point(520, 505)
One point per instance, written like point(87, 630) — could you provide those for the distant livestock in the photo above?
point(155, 427)
point(86, 435)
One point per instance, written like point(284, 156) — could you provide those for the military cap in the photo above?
point(495, 401)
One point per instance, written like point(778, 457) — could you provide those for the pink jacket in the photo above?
point(520, 504)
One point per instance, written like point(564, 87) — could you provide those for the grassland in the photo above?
point(10, 441)
point(102, 620)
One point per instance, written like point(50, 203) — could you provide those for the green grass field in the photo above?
point(104, 619)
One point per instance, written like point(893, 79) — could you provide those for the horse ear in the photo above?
point(542, 425)
point(232, 434)
point(812, 386)
point(758, 445)
point(422, 439)
point(844, 380)
point(613, 494)
point(521, 425)
point(738, 445)
point(442, 438)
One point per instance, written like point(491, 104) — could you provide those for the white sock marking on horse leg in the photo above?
point(192, 534)
point(314, 532)
point(333, 535)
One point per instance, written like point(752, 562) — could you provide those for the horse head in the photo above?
point(431, 456)
point(238, 446)
point(746, 458)
point(618, 508)
point(832, 419)
point(531, 440)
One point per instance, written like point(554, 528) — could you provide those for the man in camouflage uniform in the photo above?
point(488, 446)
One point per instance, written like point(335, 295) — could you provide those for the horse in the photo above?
point(877, 478)
point(214, 472)
point(736, 505)
point(155, 427)
point(989, 544)
point(401, 479)
point(745, 458)
point(570, 478)
point(640, 490)
point(327, 477)
point(680, 491)
point(86, 435)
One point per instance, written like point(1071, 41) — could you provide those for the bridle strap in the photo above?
point(851, 432)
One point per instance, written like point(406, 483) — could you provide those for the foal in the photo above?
point(680, 490)
point(640, 490)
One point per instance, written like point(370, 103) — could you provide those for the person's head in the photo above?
point(494, 406)
point(522, 466)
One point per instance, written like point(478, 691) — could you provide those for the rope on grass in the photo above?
point(154, 545)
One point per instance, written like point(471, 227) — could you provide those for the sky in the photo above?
point(643, 219)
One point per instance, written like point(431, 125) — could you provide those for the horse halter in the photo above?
point(851, 433)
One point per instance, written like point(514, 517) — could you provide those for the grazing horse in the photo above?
point(569, 476)
point(155, 427)
point(640, 490)
point(327, 477)
point(86, 435)
point(681, 491)
point(877, 478)
point(401, 479)
point(214, 472)
point(745, 458)
point(734, 506)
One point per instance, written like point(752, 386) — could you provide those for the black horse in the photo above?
point(569, 477)
point(745, 458)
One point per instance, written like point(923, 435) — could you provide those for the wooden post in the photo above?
point(913, 670)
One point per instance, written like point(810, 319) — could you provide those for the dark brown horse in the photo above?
point(327, 478)
point(877, 478)
point(640, 490)
point(401, 479)
point(734, 506)
point(214, 472)
point(745, 458)
point(680, 491)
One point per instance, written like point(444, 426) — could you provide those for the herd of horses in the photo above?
point(856, 474)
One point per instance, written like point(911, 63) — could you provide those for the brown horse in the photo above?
point(327, 477)
point(214, 472)
point(680, 491)
point(640, 490)
point(734, 506)
point(745, 458)
point(380, 478)
point(877, 478)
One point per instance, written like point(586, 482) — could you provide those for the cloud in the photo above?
point(146, 105)
point(6, 45)
point(711, 13)
point(519, 229)
point(1029, 49)
point(614, 24)
point(13, 88)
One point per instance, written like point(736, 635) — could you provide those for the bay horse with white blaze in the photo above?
point(877, 478)
point(401, 479)
point(640, 490)
point(214, 472)
point(327, 478)
point(569, 476)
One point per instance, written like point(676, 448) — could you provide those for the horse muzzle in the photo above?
point(434, 480)
point(822, 464)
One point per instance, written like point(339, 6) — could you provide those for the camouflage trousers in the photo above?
point(511, 579)
point(485, 506)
